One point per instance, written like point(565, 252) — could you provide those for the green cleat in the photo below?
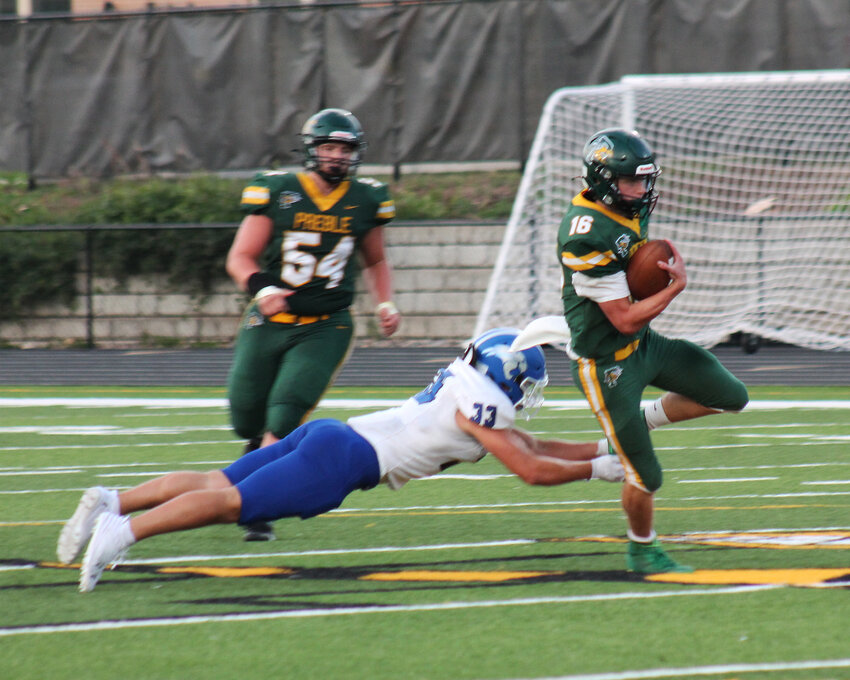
point(650, 558)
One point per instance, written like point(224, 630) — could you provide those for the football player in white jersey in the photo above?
point(468, 410)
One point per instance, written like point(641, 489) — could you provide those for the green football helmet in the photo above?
point(614, 153)
point(332, 125)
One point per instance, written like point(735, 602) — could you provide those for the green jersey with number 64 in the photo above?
point(595, 242)
point(315, 236)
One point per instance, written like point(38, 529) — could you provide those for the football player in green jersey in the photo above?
point(298, 253)
point(615, 354)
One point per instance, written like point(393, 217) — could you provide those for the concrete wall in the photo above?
point(441, 272)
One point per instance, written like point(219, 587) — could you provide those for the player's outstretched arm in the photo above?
point(556, 448)
point(523, 455)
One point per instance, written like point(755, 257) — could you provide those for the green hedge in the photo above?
point(41, 267)
point(37, 269)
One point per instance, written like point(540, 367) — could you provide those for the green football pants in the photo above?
point(280, 371)
point(614, 389)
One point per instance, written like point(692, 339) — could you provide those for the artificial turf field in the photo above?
point(470, 575)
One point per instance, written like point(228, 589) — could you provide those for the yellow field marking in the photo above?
point(788, 577)
point(431, 575)
point(408, 575)
point(804, 577)
point(228, 572)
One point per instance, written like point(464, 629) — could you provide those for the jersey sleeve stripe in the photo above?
point(585, 262)
point(255, 195)
point(386, 210)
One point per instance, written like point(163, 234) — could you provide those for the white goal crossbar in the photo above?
point(755, 192)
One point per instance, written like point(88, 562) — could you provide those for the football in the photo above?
point(644, 276)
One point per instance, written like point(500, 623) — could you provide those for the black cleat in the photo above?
point(252, 445)
point(258, 531)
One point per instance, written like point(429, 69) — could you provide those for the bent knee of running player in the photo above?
point(248, 425)
point(636, 453)
point(294, 395)
point(281, 419)
point(735, 395)
point(248, 409)
point(644, 471)
point(718, 389)
point(697, 374)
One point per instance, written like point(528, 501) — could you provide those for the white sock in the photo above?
point(127, 536)
point(112, 503)
point(655, 416)
point(641, 539)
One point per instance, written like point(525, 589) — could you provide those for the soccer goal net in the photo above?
point(754, 191)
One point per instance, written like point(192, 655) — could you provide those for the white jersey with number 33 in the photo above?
point(420, 438)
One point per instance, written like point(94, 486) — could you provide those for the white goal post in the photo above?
point(754, 191)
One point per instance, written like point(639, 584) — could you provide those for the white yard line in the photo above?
point(100, 447)
point(723, 669)
point(376, 610)
point(720, 480)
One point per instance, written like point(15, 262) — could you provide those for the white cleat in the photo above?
point(77, 530)
point(109, 542)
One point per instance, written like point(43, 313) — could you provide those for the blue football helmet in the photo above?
point(519, 374)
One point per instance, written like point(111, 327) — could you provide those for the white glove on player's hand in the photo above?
point(607, 467)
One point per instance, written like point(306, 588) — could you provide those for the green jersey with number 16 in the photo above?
point(594, 241)
point(315, 236)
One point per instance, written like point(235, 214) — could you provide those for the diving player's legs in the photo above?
point(307, 473)
point(114, 533)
